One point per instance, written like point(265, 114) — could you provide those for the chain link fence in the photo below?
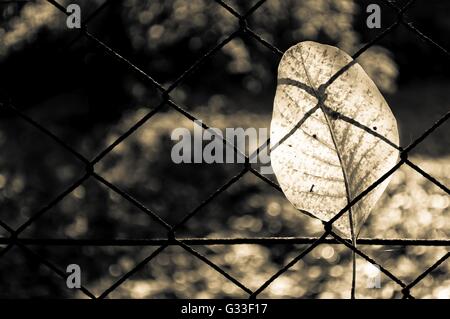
point(329, 236)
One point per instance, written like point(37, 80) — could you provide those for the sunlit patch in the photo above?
point(314, 272)
point(425, 217)
point(273, 209)
point(78, 228)
point(141, 289)
point(18, 184)
point(79, 192)
point(327, 252)
point(439, 201)
point(2, 181)
point(371, 270)
point(281, 286)
point(337, 271)
point(442, 292)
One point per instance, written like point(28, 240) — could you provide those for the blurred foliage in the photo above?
point(412, 207)
point(165, 38)
point(175, 33)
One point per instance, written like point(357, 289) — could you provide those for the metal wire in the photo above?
point(268, 241)
point(328, 237)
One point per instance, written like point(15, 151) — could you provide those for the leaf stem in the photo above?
point(353, 291)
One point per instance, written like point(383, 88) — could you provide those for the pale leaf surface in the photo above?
point(331, 156)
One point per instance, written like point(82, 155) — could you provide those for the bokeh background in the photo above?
point(87, 98)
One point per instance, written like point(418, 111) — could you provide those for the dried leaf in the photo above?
point(332, 134)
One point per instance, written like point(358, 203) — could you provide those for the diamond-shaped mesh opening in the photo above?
point(93, 210)
point(37, 280)
point(177, 274)
point(101, 266)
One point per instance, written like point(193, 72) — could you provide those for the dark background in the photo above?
point(88, 98)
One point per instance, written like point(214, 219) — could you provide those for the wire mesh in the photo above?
point(329, 236)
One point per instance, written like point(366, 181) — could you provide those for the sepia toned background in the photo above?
point(83, 95)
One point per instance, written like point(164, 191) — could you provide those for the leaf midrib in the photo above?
point(333, 138)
